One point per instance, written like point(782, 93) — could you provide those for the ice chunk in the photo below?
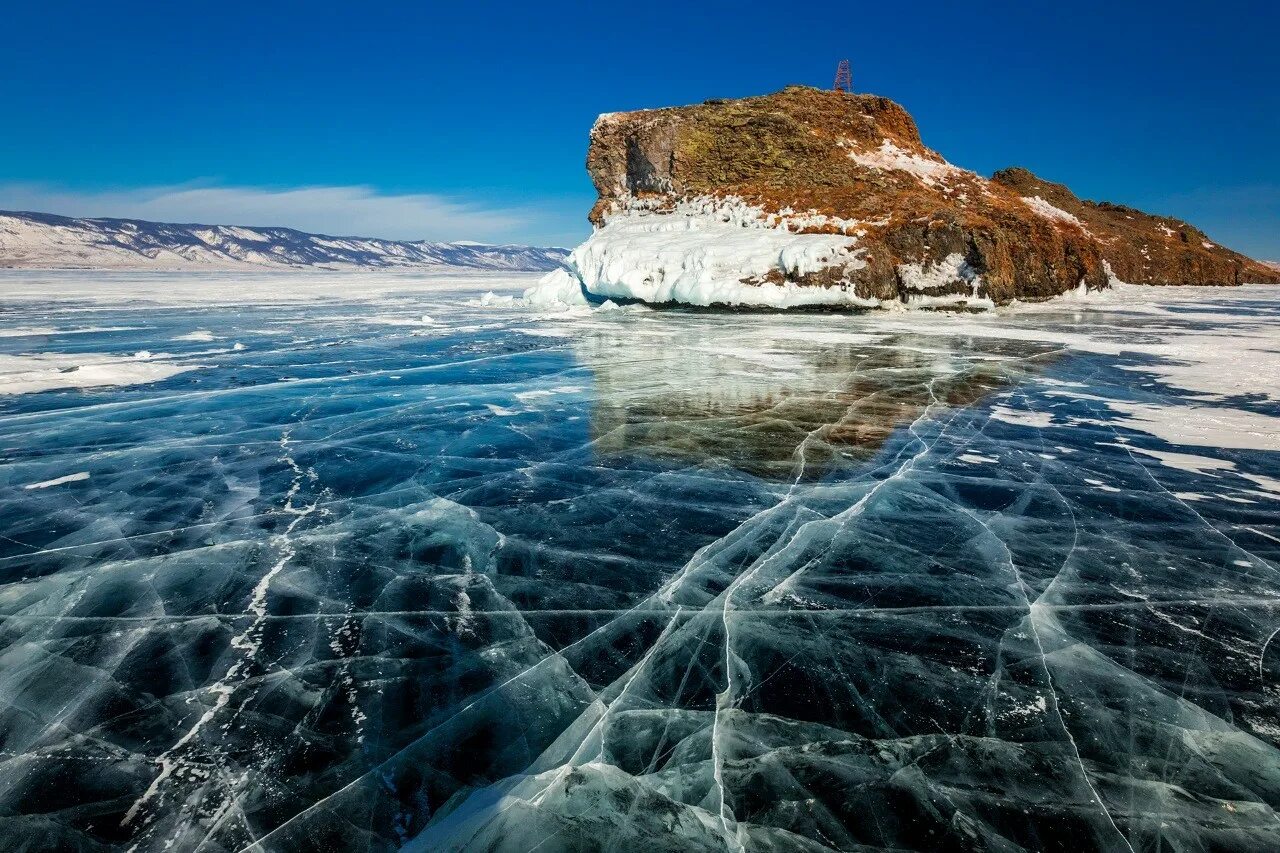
point(558, 290)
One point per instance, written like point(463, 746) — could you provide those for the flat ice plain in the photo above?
point(357, 562)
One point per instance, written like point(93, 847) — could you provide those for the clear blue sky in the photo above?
point(470, 119)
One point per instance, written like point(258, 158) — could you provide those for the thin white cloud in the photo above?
point(337, 210)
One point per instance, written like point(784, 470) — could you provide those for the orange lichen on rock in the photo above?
point(1143, 248)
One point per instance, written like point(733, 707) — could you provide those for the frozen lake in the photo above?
point(353, 562)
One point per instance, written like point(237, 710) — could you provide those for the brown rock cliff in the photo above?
point(859, 160)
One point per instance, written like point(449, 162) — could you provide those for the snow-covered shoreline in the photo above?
point(723, 252)
point(708, 252)
point(703, 252)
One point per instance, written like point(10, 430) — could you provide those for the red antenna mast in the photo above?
point(844, 78)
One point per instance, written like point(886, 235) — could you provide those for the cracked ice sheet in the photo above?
point(501, 579)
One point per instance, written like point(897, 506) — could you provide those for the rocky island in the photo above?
point(809, 197)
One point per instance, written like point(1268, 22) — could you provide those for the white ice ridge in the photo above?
point(700, 252)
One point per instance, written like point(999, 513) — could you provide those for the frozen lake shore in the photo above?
point(381, 559)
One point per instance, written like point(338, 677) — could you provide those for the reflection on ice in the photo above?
point(623, 579)
point(782, 402)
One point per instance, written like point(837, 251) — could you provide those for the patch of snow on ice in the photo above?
point(1207, 466)
point(46, 331)
point(529, 396)
point(34, 331)
point(27, 374)
point(1201, 426)
point(1187, 461)
point(1271, 484)
point(1021, 417)
point(58, 481)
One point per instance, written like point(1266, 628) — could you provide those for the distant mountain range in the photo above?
point(46, 241)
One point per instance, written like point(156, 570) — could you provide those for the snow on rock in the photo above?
point(1112, 279)
point(704, 253)
point(922, 281)
point(1048, 211)
point(890, 156)
point(932, 276)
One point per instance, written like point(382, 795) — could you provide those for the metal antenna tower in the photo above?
point(844, 78)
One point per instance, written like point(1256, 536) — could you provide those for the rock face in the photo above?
point(836, 200)
point(1143, 248)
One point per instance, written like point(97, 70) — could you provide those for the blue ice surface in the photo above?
point(510, 581)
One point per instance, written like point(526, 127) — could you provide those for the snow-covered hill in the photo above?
point(46, 241)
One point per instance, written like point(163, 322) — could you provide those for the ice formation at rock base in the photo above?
point(705, 253)
point(426, 566)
